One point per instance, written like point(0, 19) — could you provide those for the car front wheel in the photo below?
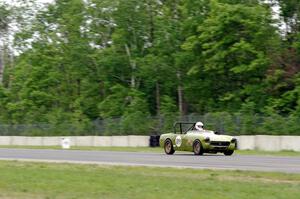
point(228, 153)
point(169, 147)
point(197, 148)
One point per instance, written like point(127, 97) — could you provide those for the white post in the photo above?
point(65, 143)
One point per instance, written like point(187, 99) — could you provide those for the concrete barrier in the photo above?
point(51, 141)
point(82, 140)
point(246, 142)
point(268, 143)
point(18, 140)
point(119, 141)
point(34, 141)
point(141, 141)
point(102, 141)
point(5, 140)
point(290, 143)
point(259, 142)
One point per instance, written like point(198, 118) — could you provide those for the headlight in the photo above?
point(206, 139)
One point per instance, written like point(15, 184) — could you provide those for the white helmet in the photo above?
point(199, 126)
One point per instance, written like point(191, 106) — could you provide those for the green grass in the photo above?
point(129, 149)
point(155, 150)
point(269, 153)
point(49, 180)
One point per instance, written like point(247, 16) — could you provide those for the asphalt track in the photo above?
point(181, 160)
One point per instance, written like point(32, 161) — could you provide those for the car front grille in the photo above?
point(219, 144)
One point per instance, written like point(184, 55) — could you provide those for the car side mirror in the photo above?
point(217, 133)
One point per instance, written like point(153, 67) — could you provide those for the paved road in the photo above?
point(183, 160)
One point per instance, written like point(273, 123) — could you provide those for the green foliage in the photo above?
point(232, 42)
point(129, 103)
point(135, 119)
point(126, 61)
point(4, 17)
point(114, 104)
point(168, 112)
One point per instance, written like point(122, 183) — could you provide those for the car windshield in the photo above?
point(203, 131)
point(188, 127)
point(183, 127)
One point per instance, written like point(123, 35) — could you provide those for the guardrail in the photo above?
point(256, 142)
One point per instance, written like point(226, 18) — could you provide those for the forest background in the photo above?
point(109, 67)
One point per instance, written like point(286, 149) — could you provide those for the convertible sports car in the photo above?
point(197, 141)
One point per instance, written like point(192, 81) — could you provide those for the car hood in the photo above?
point(215, 137)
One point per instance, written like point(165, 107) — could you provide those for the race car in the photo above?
point(197, 140)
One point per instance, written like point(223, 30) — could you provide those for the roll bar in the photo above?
point(180, 126)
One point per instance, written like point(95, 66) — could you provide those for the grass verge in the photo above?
point(269, 153)
point(50, 180)
point(128, 149)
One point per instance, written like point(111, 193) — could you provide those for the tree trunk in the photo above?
point(132, 65)
point(157, 92)
point(1, 65)
point(180, 93)
point(101, 89)
point(78, 87)
point(151, 21)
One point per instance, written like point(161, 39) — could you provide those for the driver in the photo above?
point(199, 126)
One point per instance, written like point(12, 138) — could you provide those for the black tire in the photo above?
point(197, 148)
point(228, 153)
point(168, 146)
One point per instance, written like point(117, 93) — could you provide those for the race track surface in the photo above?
point(182, 160)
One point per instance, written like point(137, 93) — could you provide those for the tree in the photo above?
point(233, 43)
point(56, 73)
point(4, 26)
point(135, 119)
point(290, 13)
point(126, 61)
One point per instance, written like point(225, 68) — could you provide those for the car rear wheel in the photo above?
point(169, 147)
point(228, 153)
point(197, 148)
